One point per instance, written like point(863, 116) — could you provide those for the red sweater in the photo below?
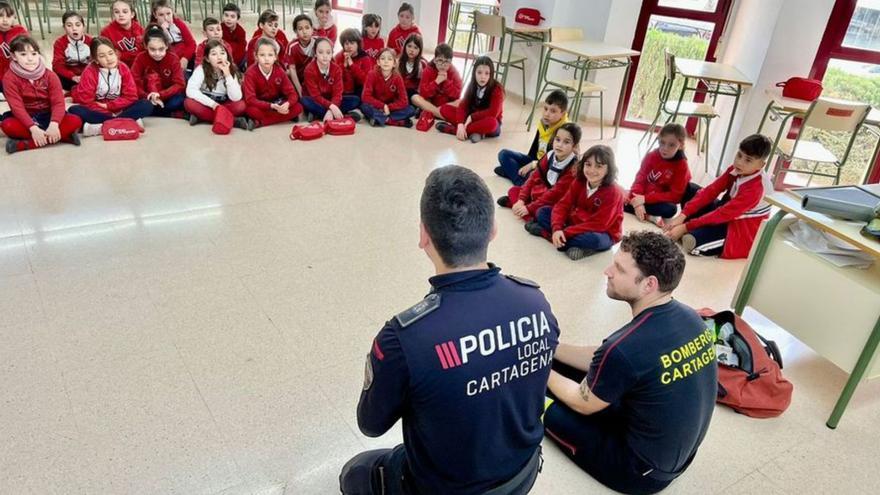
point(575, 213)
point(491, 105)
point(379, 92)
point(295, 56)
point(411, 81)
point(324, 90)
point(398, 35)
point(329, 33)
point(742, 209)
point(280, 38)
point(6, 37)
point(128, 42)
point(186, 47)
point(445, 92)
point(373, 46)
point(164, 77)
point(200, 52)
point(261, 91)
point(85, 93)
point(65, 66)
point(27, 98)
point(354, 77)
point(660, 180)
point(537, 192)
point(237, 39)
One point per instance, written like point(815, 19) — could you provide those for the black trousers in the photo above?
point(597, 444)
point(663, 210)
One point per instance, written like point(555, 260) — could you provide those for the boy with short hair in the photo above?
point(708, 226)
point(9, 30)
point(213, 31)
point(662, 179)
point(233, 33)
point(301, 51)
point(267, 27)
point(517, 166)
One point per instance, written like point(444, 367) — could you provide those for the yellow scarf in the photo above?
point(544, 134)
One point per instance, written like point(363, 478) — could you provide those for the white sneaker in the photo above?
point(2, 96)
point(90, 130)
point(140, 123)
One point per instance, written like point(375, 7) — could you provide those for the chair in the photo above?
point(828, 115)
point(680, 108)
point(494, 26)
point(586, 90)
point(460, 21)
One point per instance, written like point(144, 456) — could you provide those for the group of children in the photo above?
point(132, 72)
point(575, 203)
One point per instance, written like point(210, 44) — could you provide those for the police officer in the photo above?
point(465, 369)
point(633, 411)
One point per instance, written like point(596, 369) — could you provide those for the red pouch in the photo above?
point(529, 16)
point(340, 127)
point(120, 130)
point(426, 121)
point(801, 88)
point(307, 132)
point(223, 120)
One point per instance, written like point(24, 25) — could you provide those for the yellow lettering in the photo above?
point(676, 374)
point(693, 348)
point(665, 360)
point(664, 378)
point(673, 356)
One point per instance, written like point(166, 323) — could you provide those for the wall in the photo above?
point(427, 17)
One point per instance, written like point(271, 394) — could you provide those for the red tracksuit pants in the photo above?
point(270, 117)
point(206, 114)
point(15, 129)
point(488, 126)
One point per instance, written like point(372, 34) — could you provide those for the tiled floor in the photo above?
point(189, 314)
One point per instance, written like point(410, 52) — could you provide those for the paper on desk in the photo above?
point(837, 251)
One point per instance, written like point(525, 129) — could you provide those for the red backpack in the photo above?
point(753, 385)
point(801, 88)
point(529, 16)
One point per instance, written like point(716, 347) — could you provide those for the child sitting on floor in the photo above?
point(517, 166)
point(478, 114)
point(662, 179)
point(268, 93)
point(384, 100)
point(71, 51)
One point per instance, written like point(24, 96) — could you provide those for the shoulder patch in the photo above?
point(523, 281)
point(418, 311)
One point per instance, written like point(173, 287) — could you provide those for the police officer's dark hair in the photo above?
point(458, 214)
point(657, 255)
point(756, 145)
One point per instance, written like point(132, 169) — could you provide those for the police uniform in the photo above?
point(466, 370)
point(660, 377)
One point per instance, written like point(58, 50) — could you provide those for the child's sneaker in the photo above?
point(577, 253)
point(475, 138)
point(499, 172)
point(355, 115)
point(504, 202)
point(243, 123)
point(2, 96)
point(193, 120)
point(140, 123)
point(534, 228)
point(399, 123)
point(12, 145)
point(426, 121)
point(445, 127)
point(90, 130)
point(75, 139)
point(688, 243)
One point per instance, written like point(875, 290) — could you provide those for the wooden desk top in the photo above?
point(517, 27)
point(592, 50)
point(842, 229)
point(794, 105)
point(711, 71)
point(477, 3)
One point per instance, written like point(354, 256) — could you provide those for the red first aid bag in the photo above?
point(223, 120)
point(754, 386)
point(801, 88)
point(307, 132)
point(529, 16)
point(120, 130)
point(340, 127)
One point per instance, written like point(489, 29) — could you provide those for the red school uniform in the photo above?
point(354, 77)
point(490, 105)
point(323, 89)
point(200, 52)
point(742, 209)
point(445, 92)
point(577, 213)
point(237, 39)
point(327, 32)
point(661, 180)
point(372, 46)
point(299, 56)
point(6, 37)
point(280, 38)
point(548, 183)
point(261, 91)
point(398, 36)
point(27, 98)
point(128, 42)
point(86, 92)
point(185, 46)
point(412, 82)
point(164, 77)
point(379, 91)
point(70, 58)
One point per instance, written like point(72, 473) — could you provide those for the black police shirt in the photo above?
point(466, 369)
point(659, 374)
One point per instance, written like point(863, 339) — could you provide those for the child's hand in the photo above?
point(676, 232)
point(461, 132)
point(39, 136)
point(76, 79)
point(441, 77)
point(386, 110)
point(183, 63)
point(558, 239)
point(155, 100)
point(525, 170)
point(53, 133)
point(675, 222)
point(224, 68)
point(641, 214)
point(637, 200)
point(519, 209)
point(284, 108)
point(335, 112)
point(101, 105)
point(347, 59)
point(328, 116)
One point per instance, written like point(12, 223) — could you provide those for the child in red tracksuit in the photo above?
point(411, 64)
point(36, 100)
point(551, 180)
point(158, 75)
point(589, 218)
point(267, 27)
point(183, 44)
point(326, 28)
point(371, 25)
point(662, 179)
point(8, 32)
point(234, 34)
point(708, 226)
point(71, 51)
point(384, 100)
point(124, 32)
point(301, 51)
point(268, 93)
point(355, 64)
point(404, 28)
point(440, 84)
point(478, 114)
point(213, 31)
point(323, 94)
point(215, 83)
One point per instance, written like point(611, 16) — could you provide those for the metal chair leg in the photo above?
point(601, 115)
